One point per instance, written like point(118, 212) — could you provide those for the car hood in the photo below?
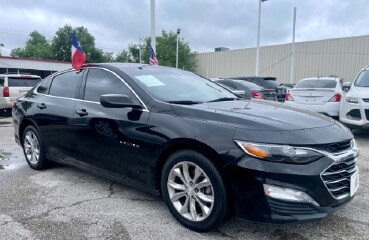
point(362, 92)
point(254, 115)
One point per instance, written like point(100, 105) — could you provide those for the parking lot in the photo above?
point(66, 203)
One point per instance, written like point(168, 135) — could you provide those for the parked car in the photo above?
point(174, 133)
point(354, 109)
point(267, 83)
point(251, 90)
point(320, 94)
point(13, 86)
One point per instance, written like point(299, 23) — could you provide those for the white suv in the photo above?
point(354, 109)
point(13, 86)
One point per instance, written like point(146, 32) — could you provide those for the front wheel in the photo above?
point(194, 191)
point(33, 148)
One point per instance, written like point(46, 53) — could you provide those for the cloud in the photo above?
point(205, 24)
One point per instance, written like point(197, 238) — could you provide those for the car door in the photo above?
point(110, 140)
point(54, 105)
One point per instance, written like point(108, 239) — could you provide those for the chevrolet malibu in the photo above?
point(173, 133)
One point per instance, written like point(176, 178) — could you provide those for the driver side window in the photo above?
point(100, 82)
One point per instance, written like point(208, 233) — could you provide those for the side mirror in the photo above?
point(346, 86)
point(118, 101)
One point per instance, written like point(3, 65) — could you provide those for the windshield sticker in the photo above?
point(150, 80)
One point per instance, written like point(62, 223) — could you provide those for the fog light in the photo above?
point(288, 194)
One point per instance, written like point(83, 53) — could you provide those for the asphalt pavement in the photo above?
point(66, 203)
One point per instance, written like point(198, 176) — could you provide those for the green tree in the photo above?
point(36, 47)
point(62, 45)
point(166, 45)
point(132, 55)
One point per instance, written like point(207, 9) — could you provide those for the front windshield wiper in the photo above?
point(185, 102)
point(223, 99)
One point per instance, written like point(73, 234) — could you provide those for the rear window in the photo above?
point(249, 85)
point(272, 83)
point(23, 82)
point(316, 83)
point(2, 80)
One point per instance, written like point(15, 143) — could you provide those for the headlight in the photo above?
point(279, 153)
point(351, 99)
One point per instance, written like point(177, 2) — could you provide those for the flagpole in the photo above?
point(292, 68)
point(153, 39)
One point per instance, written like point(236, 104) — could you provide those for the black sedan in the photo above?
point(251, 90)
point(174, 133)
point(267, 83)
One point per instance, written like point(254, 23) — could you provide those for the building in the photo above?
point(42, 68)
point(342, 57)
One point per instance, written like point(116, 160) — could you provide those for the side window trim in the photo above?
point(116, 75)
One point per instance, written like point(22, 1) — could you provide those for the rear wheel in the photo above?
point(194, 191)
point(33, 148)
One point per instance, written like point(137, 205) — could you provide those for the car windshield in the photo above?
point(178, 86)
point(316, 83)
point(363, 79)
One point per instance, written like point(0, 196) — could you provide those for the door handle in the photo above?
point(41, 106)
point(82, 112)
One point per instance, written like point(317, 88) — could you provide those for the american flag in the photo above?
point(153, 59)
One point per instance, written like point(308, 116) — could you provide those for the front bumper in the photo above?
point(5, 103)
point(248, 176)
point(355, 114)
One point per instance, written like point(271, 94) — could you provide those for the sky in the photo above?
point(205, 24)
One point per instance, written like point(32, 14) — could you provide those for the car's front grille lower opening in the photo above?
point(367, 114)
point(337, 177)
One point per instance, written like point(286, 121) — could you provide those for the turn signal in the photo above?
point(255, 151)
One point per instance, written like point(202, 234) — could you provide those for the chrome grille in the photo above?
point(333, 147)
point(337, 177)
point(366, 99)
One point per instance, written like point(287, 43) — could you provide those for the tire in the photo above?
point(33, 148)
point(181, 195)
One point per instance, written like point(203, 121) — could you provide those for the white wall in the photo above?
point(343, 57)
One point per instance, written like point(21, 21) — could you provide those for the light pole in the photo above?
point(292, 73)
point(258, 40)
point(178, 32)
point(139, 49)
point(153, 34)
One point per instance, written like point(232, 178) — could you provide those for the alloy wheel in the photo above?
point(190, 191)
point(31, 147)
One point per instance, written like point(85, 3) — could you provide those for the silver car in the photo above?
point(320, 94)
point(13, 86)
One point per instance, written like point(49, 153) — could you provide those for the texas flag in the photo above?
point(78, 56)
